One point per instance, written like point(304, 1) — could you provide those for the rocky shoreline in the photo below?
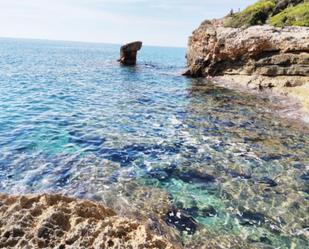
point(55, 221)
point(258, 58)
point(58, 221)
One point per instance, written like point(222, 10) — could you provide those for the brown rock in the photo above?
point(259, 50)
point(128, 53)
point(69, 223)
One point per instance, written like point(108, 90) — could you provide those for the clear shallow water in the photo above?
point(146, 140)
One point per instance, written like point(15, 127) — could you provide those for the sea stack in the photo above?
point(128, 53)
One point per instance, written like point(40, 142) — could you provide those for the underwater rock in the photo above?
point(55, 221)
point(305, 177)
point(248, 217)
point(181, 221)
point(193, 211)
point(240, 175)
point(159, 174)
point(187, 176)
point(118, 155)
point(268, 181)
point(209, 211)
point(271, 157)
point(195, 176)
point(129, 153)
point(128, 53)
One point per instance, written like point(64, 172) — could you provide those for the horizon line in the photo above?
point(86, 42)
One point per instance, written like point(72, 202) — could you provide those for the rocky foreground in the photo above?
point(260, 57)
point(54, 221)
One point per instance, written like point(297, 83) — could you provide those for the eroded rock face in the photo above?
point(128, 53)
point(54, 221)
point(257, 50)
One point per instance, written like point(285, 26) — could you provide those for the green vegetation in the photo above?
point(253, 15)
point(293, 16)
point(275, 12)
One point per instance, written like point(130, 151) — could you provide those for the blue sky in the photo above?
point(160, 22)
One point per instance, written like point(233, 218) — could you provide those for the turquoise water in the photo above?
point(145, 140)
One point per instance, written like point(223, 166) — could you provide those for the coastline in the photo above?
point(260, 59)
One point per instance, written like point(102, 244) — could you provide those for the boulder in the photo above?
point(128, 53)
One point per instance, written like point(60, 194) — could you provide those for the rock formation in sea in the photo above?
point(55, 221)
point(128, 53)
point(258, 56)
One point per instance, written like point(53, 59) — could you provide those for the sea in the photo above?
point(210, 163)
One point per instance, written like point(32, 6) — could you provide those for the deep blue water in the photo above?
point(145, 139)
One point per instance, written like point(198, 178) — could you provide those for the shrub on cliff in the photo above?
point(262, 11)
point(253, 15)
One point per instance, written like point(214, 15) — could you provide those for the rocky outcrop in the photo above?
point(264, 56)
point(54, 221)
point(128, 53)
point(261, 50)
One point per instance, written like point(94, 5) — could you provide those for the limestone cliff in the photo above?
point(258, 56)
point(261, 50)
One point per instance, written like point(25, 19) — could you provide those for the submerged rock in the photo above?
point(187, 176)
point(305, 177)
point(55, 221)
point(209, 211)
point(248, 217)
point(181, 221)
point(128, 53)
point(195, 176)
point(266, 180)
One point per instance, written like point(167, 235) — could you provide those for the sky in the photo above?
point(160, 22)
